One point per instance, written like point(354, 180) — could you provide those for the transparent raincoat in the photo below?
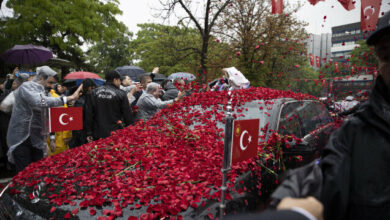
point(26, 120)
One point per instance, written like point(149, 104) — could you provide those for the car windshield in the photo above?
point(258, 109)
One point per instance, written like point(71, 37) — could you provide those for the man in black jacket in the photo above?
point(107, 108)
point(356, 161)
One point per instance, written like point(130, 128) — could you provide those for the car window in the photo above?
point(250, 110)
point(309, 116)
point(289, 120)
point(323, 113)
point(256, 109)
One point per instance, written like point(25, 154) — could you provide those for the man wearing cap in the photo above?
point(356, 161)
point(25, 132)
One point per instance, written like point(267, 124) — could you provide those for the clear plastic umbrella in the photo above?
point(182, 75)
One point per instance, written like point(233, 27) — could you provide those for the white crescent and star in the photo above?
point(368, 8)
point(62, 121)
point(242, 137)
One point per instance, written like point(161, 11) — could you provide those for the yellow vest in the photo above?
point(61, 146)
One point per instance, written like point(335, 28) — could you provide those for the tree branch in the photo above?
point(192, 17)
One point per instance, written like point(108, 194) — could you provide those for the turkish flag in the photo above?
point(347, 4)
point(311, 59)
point(337, 66)
point(277, 6)
point(318, 61)
point(369, 14)
point(65, 119)
point(314, 2)
point(245, 139)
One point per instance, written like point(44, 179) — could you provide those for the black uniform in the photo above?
point(356, 162)
point(105, 107)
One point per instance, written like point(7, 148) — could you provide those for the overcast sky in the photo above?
point(142, 11)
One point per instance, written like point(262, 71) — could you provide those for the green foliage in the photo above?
point(64, 26)
point(363, 55)
point(173, 49)
point(269, 48)
point(308, 83)
point(105, 56)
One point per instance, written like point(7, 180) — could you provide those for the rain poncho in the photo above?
point(26, 118)
point(236, 79)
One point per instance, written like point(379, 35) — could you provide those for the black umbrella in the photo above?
point(134, 72)
point(27, 55)
point(157, 77)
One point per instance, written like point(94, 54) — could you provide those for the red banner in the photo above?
point(245, 139)
point(337, 66)
point(313, 2)
point(311, 59)
point(65, 119)
point(347, 4)
point(318, 61)
point(369, 14)
point(331, 86)
point(330, 62)
point(277, 6)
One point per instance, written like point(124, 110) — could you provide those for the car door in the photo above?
point(290, 124)
point(316, 126)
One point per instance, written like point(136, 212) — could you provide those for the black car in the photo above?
point(169, 166)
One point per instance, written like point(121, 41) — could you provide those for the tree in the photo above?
point(363, 55)
point(105, 56)
point(166, 47)
point(308, 82)
point(269, 48)
point(64, 26)
point(204, 22)
point(173, 49)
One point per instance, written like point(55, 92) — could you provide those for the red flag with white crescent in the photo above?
point(369, 14)
point(347, 4)
point(65, 119)
point(245, 139)
point(314, 2)
point(337, 67)
point(311, 59)
point(318, 61)
point(277, 6)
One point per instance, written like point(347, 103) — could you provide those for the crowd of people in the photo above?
point(114, 105)
point(354, 167)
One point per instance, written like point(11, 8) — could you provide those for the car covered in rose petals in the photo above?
point(170, 166)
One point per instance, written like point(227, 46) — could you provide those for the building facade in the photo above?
point(319, 46)
point(344, 39)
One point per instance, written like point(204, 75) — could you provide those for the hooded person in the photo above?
point(236, 79)
point(171, 92)
point(5, 115)
point(25, 138)
point(355, 162)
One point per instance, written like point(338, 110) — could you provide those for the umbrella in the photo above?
point(158, 77)
point(77, 82)
point(82, 75)
point(27, 55)
point(182, 75)
point(134, 72)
